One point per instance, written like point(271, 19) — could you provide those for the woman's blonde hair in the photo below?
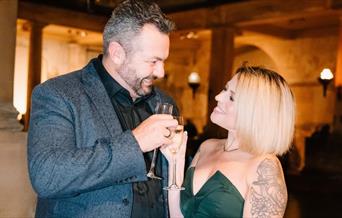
point(265, 111)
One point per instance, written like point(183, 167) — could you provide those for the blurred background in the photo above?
point(300, 39)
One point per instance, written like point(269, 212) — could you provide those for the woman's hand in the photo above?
point(180, 155)
point(174, 196)
point(180, 160)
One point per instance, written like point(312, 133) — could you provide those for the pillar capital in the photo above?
point(35, 25)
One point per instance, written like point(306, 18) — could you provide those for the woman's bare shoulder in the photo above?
point(205, 148)
point(257, 163)
point(211, 144)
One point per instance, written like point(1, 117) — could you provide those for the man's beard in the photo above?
point(129, 75)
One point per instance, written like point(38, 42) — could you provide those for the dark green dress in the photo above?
point(218, 198)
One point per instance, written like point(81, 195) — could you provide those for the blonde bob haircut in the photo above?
point(265, 111)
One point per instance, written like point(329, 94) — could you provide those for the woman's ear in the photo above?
point(116, 53)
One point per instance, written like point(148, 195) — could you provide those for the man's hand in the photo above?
point(153, 132)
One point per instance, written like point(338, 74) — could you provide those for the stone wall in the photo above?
point(186, 56)
point(61, 54)
point(300, 60)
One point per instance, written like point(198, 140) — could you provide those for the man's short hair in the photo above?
point(265, 111)
point(129, 17)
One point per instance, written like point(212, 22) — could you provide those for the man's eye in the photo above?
point(231, 98)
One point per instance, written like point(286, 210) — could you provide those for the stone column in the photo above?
point(17, 198)
point(8, 17)
point(338, 72)
point(34, 64)
point(338, 84)
point(221, 64)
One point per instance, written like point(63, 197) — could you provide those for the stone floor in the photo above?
point(302, 205)
point(17, 200)
point(314, 194)
point(317, 191)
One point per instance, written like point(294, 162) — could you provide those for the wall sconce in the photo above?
point(325, 78)
point(194, 82)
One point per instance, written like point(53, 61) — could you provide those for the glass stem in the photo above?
point(153, 162)
point(174, 171)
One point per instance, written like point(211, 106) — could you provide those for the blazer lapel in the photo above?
point(97, 93)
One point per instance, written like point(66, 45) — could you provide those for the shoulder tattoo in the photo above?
point(268, 192)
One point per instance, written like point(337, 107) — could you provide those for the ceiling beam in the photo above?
point(51, 15)
point(248, 13)
point(243, 14)
point(318, 32)
point(270, 30)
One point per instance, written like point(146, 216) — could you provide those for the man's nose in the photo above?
point(159, 71)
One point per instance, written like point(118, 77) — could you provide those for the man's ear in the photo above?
point(116, 53)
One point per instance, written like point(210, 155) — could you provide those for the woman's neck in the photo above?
point(232, 143)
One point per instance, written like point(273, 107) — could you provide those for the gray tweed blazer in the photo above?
point(81, 163)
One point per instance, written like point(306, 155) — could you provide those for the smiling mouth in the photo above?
point(147, 82)
point(218, 110)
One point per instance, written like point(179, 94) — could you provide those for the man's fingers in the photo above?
point(169, 123)
point(162, 116)
point(167, 133)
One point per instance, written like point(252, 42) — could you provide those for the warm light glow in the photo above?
point(326, 74)
point(189, 35)
point(20, 72)
point(83, 33)
point(194, 78)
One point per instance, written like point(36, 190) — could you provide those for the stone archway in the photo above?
point(254, 56)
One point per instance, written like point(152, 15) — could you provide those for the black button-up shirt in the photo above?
point(147, 196)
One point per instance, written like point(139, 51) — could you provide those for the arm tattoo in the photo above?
point(268, 192)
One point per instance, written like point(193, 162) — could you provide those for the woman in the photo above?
point(240, 176)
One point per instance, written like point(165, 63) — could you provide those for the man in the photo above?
point(92, 131)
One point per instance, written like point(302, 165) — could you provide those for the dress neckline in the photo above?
point(217, 173)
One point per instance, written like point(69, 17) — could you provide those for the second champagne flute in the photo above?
point(177, 139)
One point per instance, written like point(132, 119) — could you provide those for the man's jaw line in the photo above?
point(124, 84)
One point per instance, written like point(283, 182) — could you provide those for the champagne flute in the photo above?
point(161, 108)
point(177, 138)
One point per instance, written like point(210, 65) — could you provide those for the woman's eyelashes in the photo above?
point(232, 95)
point(231, 98)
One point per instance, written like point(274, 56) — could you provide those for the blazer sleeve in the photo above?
point(58, 168)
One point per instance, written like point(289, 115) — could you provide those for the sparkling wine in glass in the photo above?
point(177, 139)
point(161, 108)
